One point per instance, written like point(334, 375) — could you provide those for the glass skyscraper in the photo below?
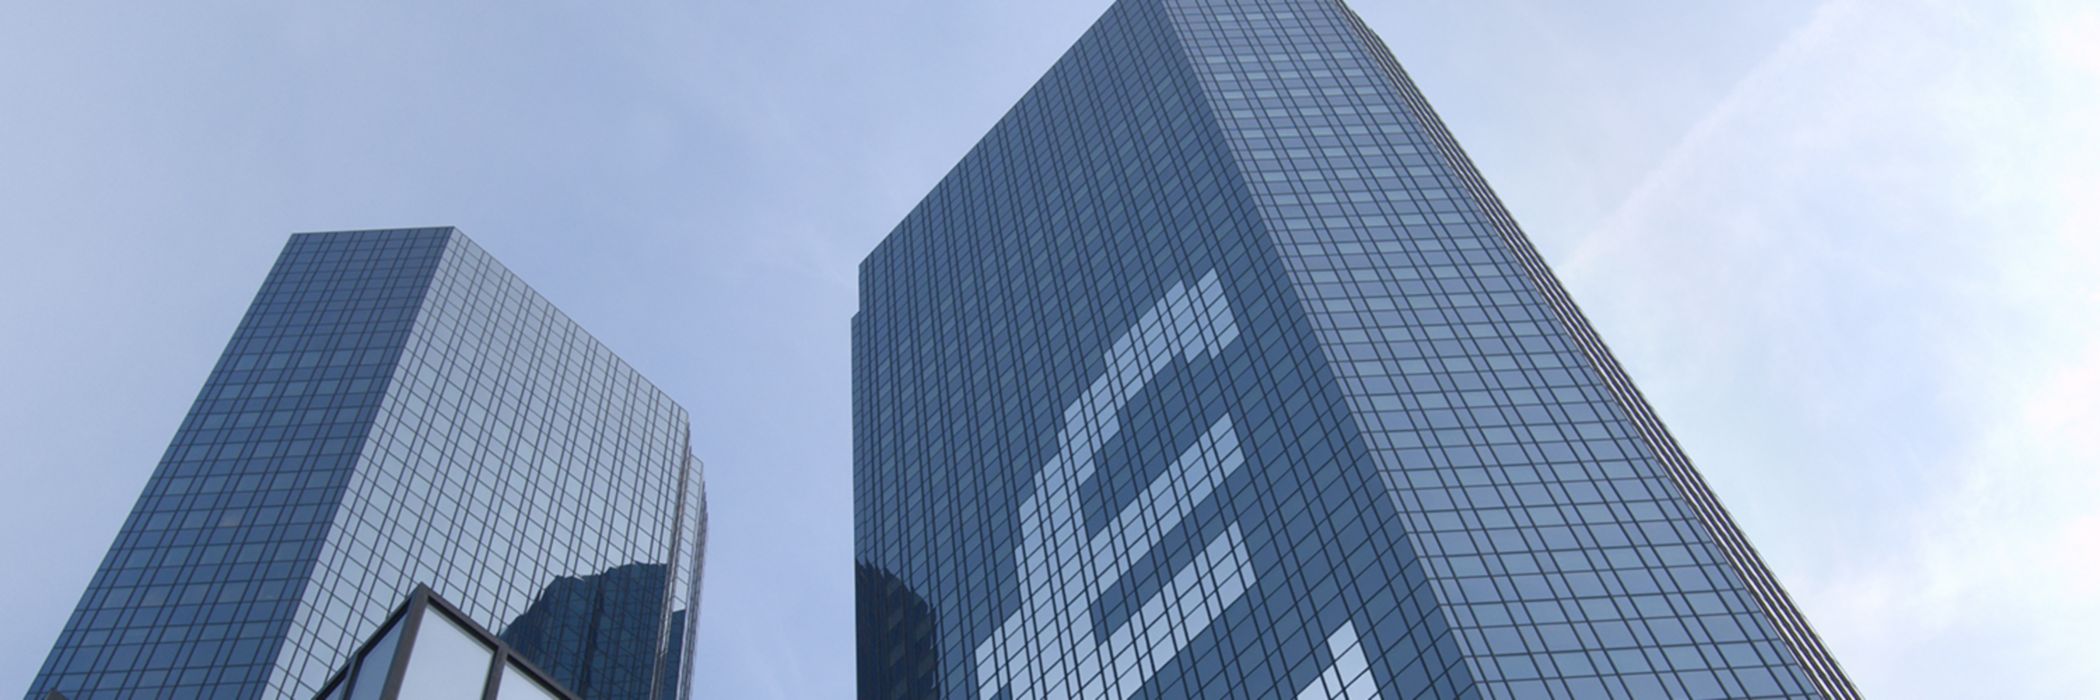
point(1216, 371)
point(396, 409)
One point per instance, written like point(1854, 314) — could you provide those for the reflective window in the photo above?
point(398, 408)
point(519, 686)
point(1213, 371)
point(447, 662)
point(373, 667)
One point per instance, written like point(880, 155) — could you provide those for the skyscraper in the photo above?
point(396, 409)
point(1216, 370)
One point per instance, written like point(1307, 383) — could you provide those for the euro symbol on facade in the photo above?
point(1049, 649)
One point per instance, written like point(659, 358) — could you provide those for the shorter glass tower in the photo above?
point(398, 410)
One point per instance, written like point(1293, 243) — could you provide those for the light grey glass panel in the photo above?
point(447, 662)
point(518, 686)
point(372, 667)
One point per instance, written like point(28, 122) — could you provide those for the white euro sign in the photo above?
point(1049, 649)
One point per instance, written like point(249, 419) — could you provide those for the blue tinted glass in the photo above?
point(1214, 371)
point(446, 662)
point(518, 686)
point(375, 664)
point(397, 408)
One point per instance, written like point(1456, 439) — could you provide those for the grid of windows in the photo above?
point(1559, 545)
point(1032, 279)
point(1442, 492)
point(1816, 660)
point(198, 590)
point(399, 409)
point(429, 650)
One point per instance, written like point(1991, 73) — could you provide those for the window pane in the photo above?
point(518, 686)
point(372, 667)
point(447, 662)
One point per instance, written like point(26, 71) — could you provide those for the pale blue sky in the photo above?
point(1846, 246)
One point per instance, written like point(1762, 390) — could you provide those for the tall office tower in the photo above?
point(398, 409)
point(1215, 370)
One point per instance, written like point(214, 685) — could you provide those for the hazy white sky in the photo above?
point(1847, 248)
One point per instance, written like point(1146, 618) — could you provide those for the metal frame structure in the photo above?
point(410, 616)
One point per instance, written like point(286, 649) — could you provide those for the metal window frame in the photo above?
point(410, 615)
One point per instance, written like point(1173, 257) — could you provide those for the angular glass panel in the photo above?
point(373, 666)
point(446, 663)
point(518, 686)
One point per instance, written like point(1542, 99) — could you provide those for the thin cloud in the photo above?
point(1890, 220)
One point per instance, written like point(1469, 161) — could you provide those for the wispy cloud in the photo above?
point(1891, 223)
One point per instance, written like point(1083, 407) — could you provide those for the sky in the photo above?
point(1844, 246)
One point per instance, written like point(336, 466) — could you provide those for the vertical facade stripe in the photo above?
point(1816, 658)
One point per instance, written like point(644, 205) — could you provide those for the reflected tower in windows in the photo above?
point(1215, 370)
point(398, 409)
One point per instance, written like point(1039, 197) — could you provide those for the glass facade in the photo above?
point(397, 409)
point(1215, 370)
point(431, 651)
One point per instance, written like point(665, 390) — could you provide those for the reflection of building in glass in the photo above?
point(1215, 370)
point(396, 409)
point(584, 627)
point(894, 640)
point(429, 649)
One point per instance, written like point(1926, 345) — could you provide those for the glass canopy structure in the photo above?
point(429, 650)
